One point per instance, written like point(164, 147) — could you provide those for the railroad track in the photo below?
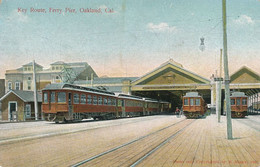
point(36, 135)
point(135, 151)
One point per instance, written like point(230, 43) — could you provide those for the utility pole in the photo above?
point(220, 86)
point(227, 80)
point(35, 92)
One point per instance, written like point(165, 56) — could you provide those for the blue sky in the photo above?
point(136, 38)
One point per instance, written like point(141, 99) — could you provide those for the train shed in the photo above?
point(170, 82)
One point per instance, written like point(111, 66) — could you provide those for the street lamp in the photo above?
point(202, 46)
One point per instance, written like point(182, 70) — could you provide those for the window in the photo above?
point(244, 101)
point(29, 78)
point(99, 100)
point(61, 97)
point(57, 67)
point(186, 102)
point(191, 102)
point(232, 101)
point(45, 97)
point(29, 87)
point(89, 99)
point(9, 85)
point(109, 101)
point(83, 99)
point(53, 97)
point(95, 100)
point(113, 102)
point(57, 77)
point(238, 101)
point(53, 68)
point(28, 110)
point(105, 101)
point(197, 102)
point(17, 85)
point(76, 98)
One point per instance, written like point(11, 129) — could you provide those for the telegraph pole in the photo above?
point(35, 92)
point(227, 80)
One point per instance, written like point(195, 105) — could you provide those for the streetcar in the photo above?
point(67, 102)
point(194, 105)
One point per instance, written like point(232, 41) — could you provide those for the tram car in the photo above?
point(67, 102)
point(129, 105)
point(238, 102)
point(194, 105)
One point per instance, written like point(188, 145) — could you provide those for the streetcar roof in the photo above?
point(238, 94)
point(192, 94)
point(60, 86)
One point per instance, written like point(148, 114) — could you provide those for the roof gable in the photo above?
point(245, 75)
point(170, 73)
point(26, 96)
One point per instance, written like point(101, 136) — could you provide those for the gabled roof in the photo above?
point(31, 64)
point(170, 66)
point(242, 70)
point(26, 96)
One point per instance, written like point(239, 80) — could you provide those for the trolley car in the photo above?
point(238, 102)
point(194, 105)
point(67, 102)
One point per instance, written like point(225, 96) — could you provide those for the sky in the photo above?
point(126, 38)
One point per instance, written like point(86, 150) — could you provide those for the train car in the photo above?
point(66, 102)
point(129, 105)
point(238, 103)
point(194, 105)
point(165, 106)
point(151, 106)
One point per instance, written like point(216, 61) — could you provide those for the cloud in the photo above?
point(244, 19)
point(161, 27)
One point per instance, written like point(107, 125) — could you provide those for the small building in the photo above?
point(18, 105)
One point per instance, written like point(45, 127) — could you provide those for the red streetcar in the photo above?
point(194, 105)
point(67, 102)
point(238, 102)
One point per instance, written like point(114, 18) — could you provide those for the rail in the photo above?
point(133, 141)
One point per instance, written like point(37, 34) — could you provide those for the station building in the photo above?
point(168, 82)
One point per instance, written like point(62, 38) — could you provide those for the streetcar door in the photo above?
point(69, 103)
point(123, 107)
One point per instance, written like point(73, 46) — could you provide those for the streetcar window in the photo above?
point(113, 102)
point(197, 102)
point(53, 97)
point(186, 102)
point(89, 99)
point(244, 101)
point(238, 101)
point(61, 97)
point(109, 101)
point(95, 100)
point(191, 102)
point(232, 102)
point(83, 99)
point(105, 101)
point(76, 98)
point(45, 97)
point(99, 100)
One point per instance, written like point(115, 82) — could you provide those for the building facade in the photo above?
point(22, 78)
